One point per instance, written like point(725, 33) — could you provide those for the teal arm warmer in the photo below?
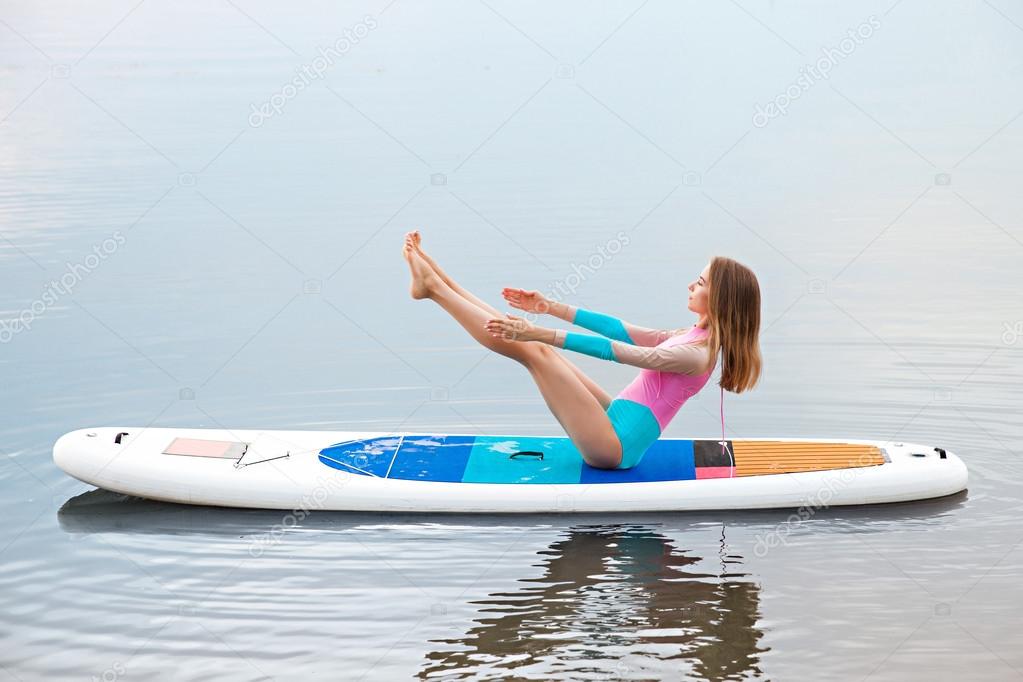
point(605, 325)
point(596, 346)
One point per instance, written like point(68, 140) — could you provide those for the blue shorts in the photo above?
point(637, 429)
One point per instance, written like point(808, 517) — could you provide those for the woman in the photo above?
point(614, 432)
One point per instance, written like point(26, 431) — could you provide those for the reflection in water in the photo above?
point(607, 592)
point(610, 598)
point(103, 511)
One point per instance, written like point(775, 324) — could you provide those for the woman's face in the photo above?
point(699, 292)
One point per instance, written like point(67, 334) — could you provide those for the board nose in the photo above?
point(962, 472)
point(70, 449)
point(63, 448)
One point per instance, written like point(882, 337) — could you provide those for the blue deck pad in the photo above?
point(371, 455)
point(665, 460)
point(487, 459)
point(432, 458)
point(491, 461)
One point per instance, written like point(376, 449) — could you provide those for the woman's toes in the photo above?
point(422, 276)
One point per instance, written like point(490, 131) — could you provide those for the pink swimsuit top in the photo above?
point(664, 392)
point(673, 368)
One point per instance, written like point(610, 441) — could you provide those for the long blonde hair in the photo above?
point(734, 323)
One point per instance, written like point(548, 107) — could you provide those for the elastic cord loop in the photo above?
point(731, 471)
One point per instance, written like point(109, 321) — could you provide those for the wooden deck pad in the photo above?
point(759, 457)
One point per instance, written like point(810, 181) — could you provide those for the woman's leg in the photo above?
point(581, 415)
point(576, 409)
point(602, 396)
point(417, 244)
point(592, 386)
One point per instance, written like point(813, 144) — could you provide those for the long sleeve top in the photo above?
point(638, 346)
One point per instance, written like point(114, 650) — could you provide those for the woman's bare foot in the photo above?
point(417, 244)
point(455, 286)
point(423, 277)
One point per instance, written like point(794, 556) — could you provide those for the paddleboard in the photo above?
point(422, 472)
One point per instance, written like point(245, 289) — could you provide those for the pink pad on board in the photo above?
point(715, 472)
point(195, 447)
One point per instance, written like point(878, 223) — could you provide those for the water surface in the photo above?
point(168, 257)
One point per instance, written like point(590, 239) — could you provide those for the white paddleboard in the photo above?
point(417, 472)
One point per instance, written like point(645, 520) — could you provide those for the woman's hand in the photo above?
point(530, 301)
point(511, 328)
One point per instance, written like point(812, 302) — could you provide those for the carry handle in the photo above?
point(531, 453)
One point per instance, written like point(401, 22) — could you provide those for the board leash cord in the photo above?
point(724, 447)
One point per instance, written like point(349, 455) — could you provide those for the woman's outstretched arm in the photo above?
point(605, 325)
point(614, 328)
point(683, 358)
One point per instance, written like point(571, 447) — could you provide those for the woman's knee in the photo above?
point(536, 354)
point(537, 349)
point(605, 453)
point(603, 459)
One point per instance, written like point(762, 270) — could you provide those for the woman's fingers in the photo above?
point(506, 329)
point(530, 301)
point(513, 299)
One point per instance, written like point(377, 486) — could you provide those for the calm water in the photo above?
point(201, 208)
